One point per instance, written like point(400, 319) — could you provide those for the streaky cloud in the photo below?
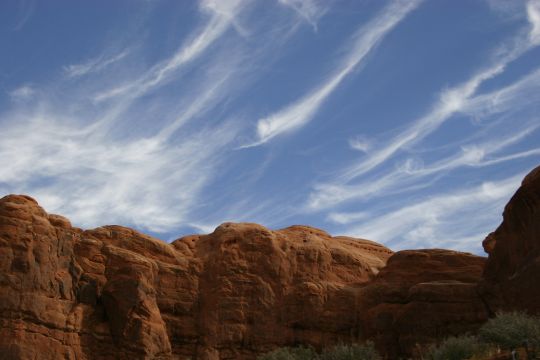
point(94, 65)
point(524, 92)
point(300, 112)
point(222, 17)
point(309, 10)
point(405, 177)
point(533, 14)
point(450, 102)
point(120, 175)
point(22, 93)
point(347, 218)
point(439, 220)
point(360, 143)
point(26, 10)
point(145, 169)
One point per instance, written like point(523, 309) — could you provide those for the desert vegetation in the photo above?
point(340, 352)
point(459, 348)
point(512, 330)
point(506, 333)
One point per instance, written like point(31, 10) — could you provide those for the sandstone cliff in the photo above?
point(511, 277)
point(422, 296)
point(114, 293)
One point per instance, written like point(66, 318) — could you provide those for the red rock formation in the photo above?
point(114, 293)
point(422, 296)
point(512, 271)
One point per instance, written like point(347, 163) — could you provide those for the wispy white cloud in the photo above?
point(215, 86)
point(94, 65)
point(149, 176)
point(347, 218)
point(522, 93)
point(508, 9)
point(450, 102)
point(300, 112)
point(533, 14)
point(360, 143)
point(410, 174)
point(26, 10)
point(144, 181)
point(61, 153)
point(356, 183)
point(222, 17)
point(439, 220)
point(213, 83)
point(22, 93)
point(149, 146)
point(141, 169)
point(309, 10)
point(515, 156)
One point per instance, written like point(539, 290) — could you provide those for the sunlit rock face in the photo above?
point(114, 293)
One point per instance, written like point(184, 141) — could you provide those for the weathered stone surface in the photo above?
point(422, 296)
point(113, 293)
point(513, 267)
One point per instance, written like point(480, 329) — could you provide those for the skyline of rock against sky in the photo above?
point(410, 123)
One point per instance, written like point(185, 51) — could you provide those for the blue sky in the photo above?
point(406, 122)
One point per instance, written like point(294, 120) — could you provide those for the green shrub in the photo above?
point(288, 353)
point(457, 348)
point(351, 352)
point(511, 330)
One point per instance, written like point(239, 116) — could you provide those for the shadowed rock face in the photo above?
point(422, 296)
point(512, 274)
point(115, 293)
point(112, 292)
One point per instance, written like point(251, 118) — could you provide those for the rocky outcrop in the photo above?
point(513, 267)
point(39, 316)
point(422, 296)
point(112, 292)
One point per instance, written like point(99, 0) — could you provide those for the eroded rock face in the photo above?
point(422, 296)
point(39, 316)
point(512, 273)
point(113, 293)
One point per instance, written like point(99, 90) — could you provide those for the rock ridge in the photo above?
point(115, 293)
